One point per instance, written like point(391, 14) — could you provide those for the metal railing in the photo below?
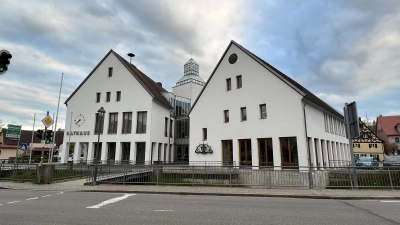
point(17, 172)
point(232, 176)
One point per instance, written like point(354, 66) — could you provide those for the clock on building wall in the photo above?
point(79, 120)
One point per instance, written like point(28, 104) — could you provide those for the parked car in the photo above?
point(391, 161)
point(367, 162)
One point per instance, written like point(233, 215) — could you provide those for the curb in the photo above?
point(253, 195)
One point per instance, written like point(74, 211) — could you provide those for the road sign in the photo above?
point(47, 121)
point(23, 146)
point(351, 120)
point(13, 131)
point(43, 143)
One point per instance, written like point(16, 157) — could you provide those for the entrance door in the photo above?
point(140, 152)
point(265, 151)
point(245, 152)
point(126, 152)
point(227, 156)
point(182, 153)
point(111, 151)
point(290, 159)
point(97, 151)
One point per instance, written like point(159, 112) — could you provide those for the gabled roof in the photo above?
point(289, 81)
point(388, 124)
point(151, 86)
point(364, 129)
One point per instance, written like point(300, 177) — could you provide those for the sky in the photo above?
point(341, 50)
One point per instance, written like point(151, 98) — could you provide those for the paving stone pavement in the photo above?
point(78, 185)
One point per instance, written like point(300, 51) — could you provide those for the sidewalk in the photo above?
point(78, 185)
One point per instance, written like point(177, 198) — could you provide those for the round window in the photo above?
point(233, 58)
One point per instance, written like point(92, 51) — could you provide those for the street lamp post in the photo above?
point(100, 118)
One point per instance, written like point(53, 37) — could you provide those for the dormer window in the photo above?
point(398, 127)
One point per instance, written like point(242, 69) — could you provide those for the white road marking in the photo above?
point(60, 193)
point(32, 198)
point(113, 200)
point(12, 202)
point(1, 204)
point(162, 210)
point(44, 196)
point(390, 201)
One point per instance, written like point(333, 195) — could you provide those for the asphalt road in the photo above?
point(44, 207)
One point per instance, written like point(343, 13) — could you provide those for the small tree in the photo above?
point(391, 148)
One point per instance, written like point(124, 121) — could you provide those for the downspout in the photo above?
point(305, 129)
point(310, 173)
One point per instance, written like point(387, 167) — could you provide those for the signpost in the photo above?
point(352, 131)
point(13, 131)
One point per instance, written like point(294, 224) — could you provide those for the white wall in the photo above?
point(284, 110)
point(189, 90)
point(134, 98)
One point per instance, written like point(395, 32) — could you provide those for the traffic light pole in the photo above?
point(44, 138)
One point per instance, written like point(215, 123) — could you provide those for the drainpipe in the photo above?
point(308, 145)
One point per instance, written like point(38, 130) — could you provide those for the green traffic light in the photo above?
point(48, 141)
point(1, 69)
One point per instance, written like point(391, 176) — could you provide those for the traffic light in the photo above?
point(49, 136)
point(39, 134)
point(5, 58)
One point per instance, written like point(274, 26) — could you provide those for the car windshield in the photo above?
point(365, 159)
point(392, 159)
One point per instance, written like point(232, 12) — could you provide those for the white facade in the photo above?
point(189, 90)
point(137, 94)
point(284, 102)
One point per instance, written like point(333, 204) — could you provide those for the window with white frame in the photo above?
point(356, 145)
point(373, 146)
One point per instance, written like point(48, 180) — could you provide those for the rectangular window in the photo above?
point(99, 125)
point(396, 140)
point(226, 116)
point(228, 84)
point(227, 152)
point(204, 134)
point(108, 96)
point(373, 146)
point(243, 114)
point(110, 70)
point(166, 127)
point(356, 145)
point(118, 96)
point(127, 123)
point(113, 123)
point(171, 122)
point(263, 111)
point(141, 122)
point(98, 96)
point(239, 81)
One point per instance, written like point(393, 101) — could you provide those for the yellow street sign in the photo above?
point(47, 121)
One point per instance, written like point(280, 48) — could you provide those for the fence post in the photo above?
point(310, 178)
point(390, 178)
point(158, 172)
point(270, 178)
point(192, 175)
point(351, 178)
point(230, 176)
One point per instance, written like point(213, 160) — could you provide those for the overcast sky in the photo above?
point(342, 51)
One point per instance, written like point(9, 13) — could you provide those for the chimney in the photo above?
point(159, 84)
point(380, 115)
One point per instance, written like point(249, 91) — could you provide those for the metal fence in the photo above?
point(17, 172)
point(232, 176)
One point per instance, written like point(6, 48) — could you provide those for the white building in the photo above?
point(137, 120)
point(252, 114)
